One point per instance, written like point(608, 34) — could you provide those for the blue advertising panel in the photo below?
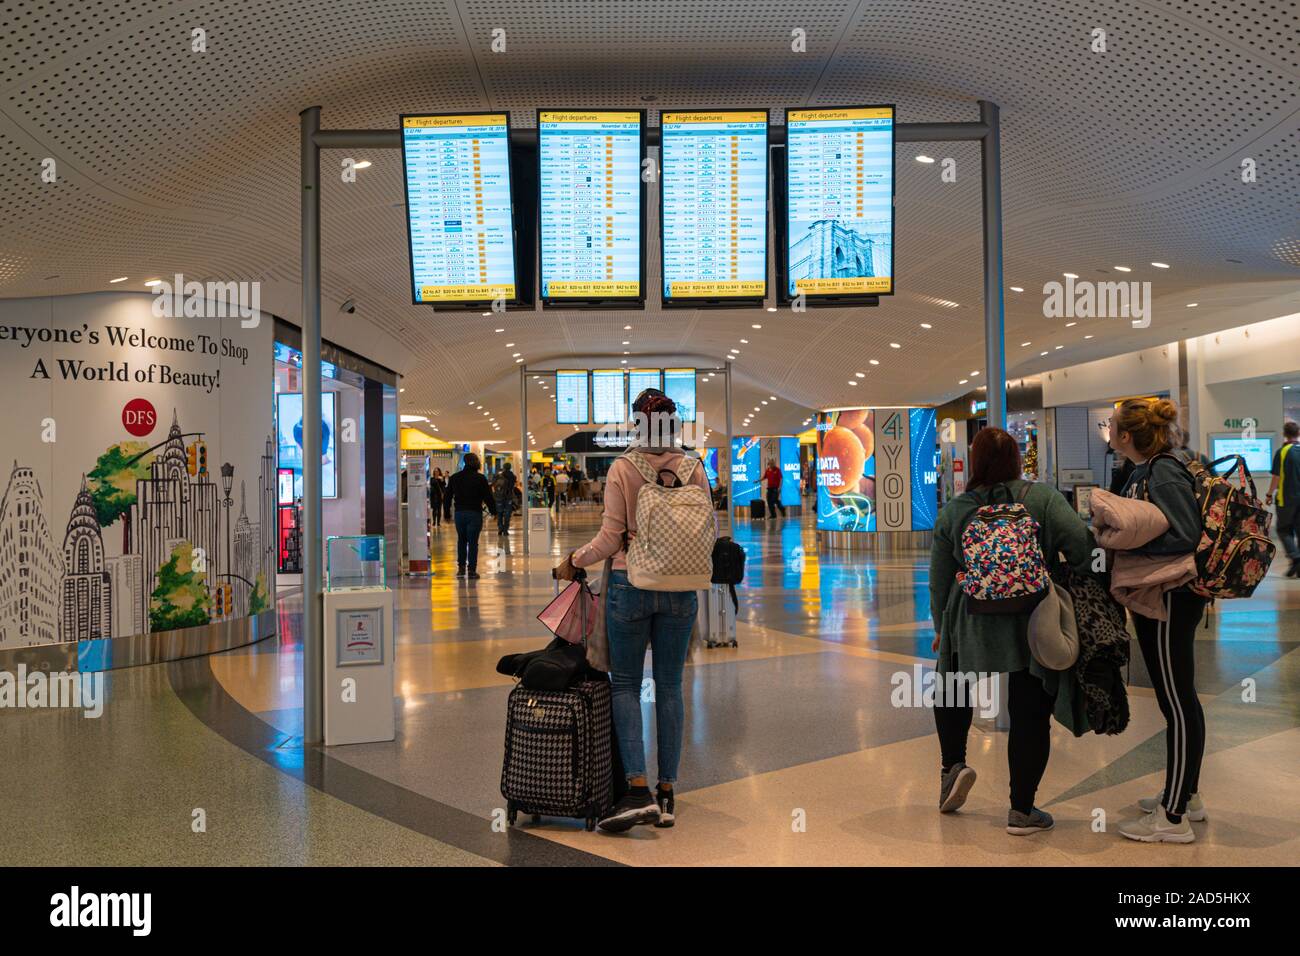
point(746, 469)
point(288, 423)
point(846, 470)
point(459, 215)
point(571, 397)
point(925, 469)
point(679, 385)
point(710, 458)
point(789, 464)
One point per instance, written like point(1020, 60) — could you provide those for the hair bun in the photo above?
point(1163, 410)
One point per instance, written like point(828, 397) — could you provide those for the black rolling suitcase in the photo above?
point(561, 758)
point(757, 509)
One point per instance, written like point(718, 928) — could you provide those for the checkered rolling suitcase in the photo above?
point(559, 759)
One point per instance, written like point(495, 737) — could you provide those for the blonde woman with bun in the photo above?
point(1145, 431)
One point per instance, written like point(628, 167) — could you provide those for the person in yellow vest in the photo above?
point(1285, 493)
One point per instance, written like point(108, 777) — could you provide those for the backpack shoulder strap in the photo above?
point(686, 468)
point(637, 461)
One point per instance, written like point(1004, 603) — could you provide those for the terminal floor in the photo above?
point(793, 751)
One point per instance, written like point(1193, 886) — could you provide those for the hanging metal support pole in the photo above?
point(731, 470)
point(313, 640)
point(994, 316)
point(523, 451)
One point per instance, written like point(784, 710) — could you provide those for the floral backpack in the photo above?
point(1003, 567)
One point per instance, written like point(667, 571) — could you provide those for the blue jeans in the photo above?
point(469, 524)
point(663, 620)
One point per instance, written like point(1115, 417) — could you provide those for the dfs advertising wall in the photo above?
point(876, 469)
point(139, 493)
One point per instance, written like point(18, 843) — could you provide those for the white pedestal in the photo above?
point(359, 674)
point(539, 528)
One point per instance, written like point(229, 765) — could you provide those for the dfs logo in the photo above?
point(139, 417)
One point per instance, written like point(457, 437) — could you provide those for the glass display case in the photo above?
point(355, 561)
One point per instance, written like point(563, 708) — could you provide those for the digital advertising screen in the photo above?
point(571, 406)
point(713, 212)
point(608, 396)
point(846, 470)
point(639, 379)
point(591, 205)
point(288, 424)
point(746, 469)
point(840, 201)
point(679, 385)
point(709, 456)
point(788, 450)
point(459, 217)
point(1257, 451)
point(925, 468)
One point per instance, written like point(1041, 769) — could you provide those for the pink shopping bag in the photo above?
point(572, 614)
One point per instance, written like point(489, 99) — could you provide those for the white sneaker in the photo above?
point(1195, 808)
point(1156, 827)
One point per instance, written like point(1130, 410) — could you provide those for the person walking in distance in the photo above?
point(503, 490)
point(772, 480)
point(1284, 492)
point(437, 490)
point(468, 493)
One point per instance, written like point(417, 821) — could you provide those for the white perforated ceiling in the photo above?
point(175, 161)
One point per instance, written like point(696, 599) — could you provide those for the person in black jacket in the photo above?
point(436, 492)
point(468, 493)
point(1145, 432)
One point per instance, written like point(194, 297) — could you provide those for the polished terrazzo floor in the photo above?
point(793, 752)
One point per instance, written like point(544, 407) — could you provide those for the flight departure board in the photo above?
point(679, 385)
point(639, 379)
point(459, 218)
point(591, 205)
point(609, 396)
point(840, 201)
point(571, 397)
point(713, 212)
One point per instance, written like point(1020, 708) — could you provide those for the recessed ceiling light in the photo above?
point(744, 341)
point(401, 390)
point(924, 159)
point(517, 361)
point(471, 402)
point(962, 382)
point(860, 374)
point(974, 373)
point(894, 345)
point(1042, 353)
point(364, 164)
point(873, 362)
point(1087, 336)
point(1016, 288)
point(486, 314)
point(926, 325)
point(119, 279)
point(627, 328)
point(514, 355)
point(1059, 347)
point(1192, 305)
point(477, 407)
point(1023, 344)
point(154, 282)
point(1069, 275)
point(853, 381)
point(764, 402)
point(1161, 265)
point(627, 343)
point(771, 308)
point(1070, 324)
point(735, 351)
point(1122, 269)
point(755, 326)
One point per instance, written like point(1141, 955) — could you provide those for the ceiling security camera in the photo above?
point(349, 307)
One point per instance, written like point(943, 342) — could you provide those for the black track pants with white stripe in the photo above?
point(1167, 650)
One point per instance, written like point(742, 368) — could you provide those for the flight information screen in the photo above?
point(679, 385)
point(609, 396)
point(590, 204)
point(571, 397)
point(840, 201)
point(639, 379)
point(713, 220)
point(459, 218)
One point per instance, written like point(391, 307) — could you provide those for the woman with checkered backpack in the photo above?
point(656, 535)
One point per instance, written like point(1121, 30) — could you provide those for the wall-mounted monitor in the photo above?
point(288, 424)
point(639, 379)
point(459, 215)
point(679, 385)
point(839, 203)
point(608, 396)
point(591, 207)
point(571, 407)
point(1258, 451)
point(713, 207)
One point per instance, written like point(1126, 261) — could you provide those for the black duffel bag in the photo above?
point(557, 666)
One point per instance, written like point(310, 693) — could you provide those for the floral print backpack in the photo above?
point(1003, 567)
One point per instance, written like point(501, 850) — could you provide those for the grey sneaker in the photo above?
point(1156, 827)
point(953, 787)
point(1195, 807)
point(1023, 824)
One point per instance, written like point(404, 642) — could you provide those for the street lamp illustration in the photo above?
point(227, 481)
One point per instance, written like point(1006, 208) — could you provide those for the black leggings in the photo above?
point(1028, 744)
point(1167, 651)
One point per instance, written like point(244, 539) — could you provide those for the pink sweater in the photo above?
point(621, 487)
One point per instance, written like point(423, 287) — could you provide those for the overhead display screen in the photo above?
point(639, 379)
point(571, 397)
point(679, 385)
point(609, 396)
point(840, 201)
point(591, 205)
point(713, 217)
point(459, 218)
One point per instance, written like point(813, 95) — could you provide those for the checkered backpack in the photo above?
point(672, 549)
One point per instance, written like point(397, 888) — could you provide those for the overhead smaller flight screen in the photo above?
point(459, 216)
point(679, 385)
point(714, 216)
point(609, 396)
point(571, 397)
point(639, 379)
